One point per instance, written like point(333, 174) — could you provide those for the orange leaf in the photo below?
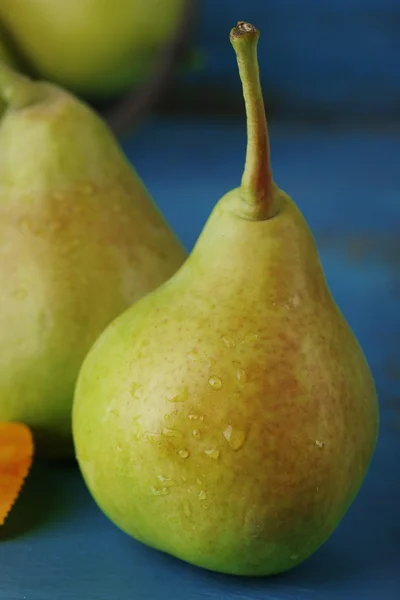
point(16, 453)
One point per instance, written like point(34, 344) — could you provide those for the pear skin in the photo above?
point(80, 240)
point(229, 417)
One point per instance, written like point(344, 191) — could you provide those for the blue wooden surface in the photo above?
point(58, 546)
point(335, 57)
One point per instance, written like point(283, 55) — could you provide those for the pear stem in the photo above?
point(15, 89)
point(257, 183)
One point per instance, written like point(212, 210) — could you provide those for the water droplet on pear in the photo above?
point(181, 397)
point(171, 432)
point(215, 383)
point(159, 491)
point(166, 481)
point(213, 452)
point(183, 453)
point(234, 437)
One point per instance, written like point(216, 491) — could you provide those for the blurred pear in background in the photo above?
point(96, 48)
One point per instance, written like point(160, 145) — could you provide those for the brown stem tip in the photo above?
point(243, 28)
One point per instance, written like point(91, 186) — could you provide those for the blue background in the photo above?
point(334, 58)
point(338, 57)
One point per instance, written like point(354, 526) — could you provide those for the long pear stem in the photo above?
point(257, 188)
point(17, 90)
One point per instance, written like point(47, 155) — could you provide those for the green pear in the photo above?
point(229, 418)
point(80, 240)
point(92, 47)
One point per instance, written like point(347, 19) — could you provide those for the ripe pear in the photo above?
point(230, 416)
point(80, 240)
point(96, 48)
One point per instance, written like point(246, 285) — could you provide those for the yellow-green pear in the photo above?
point(92, 47)
point(229, 417)
point(80, 240)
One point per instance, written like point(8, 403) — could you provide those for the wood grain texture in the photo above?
point(56, 543)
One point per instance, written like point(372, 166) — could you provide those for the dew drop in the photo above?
point(187, 510)
point(193, 417)
point(202, 495)
point(183, 478)
point(199, 481)
point(201, 418)
point(183, 453)
point(193, 356)
point(317, 488)
point(294, 556)
point(228, 341)
point(171, 432)
point(213, 452)
point(234, 437)
point(159, 491)
point(215, 383)
point(320, 444)
point(151, 436)
point(182, 397)
point(166, 481)
point(241, 375)
point(196, 433)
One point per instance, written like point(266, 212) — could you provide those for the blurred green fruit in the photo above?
point(96, 48)
point(81, 240)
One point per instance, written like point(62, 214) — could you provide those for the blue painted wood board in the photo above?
point(57, 545)
point(337, 57)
